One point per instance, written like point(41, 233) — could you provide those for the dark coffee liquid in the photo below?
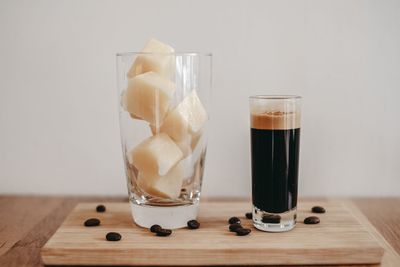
point(275, 160)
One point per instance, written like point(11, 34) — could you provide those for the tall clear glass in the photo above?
point(164, 111)
point(275, 148)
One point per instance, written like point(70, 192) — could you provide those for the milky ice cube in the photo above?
point(191, 160)
point(187, 117)
point(148, 96)
point(196, 139)
point(124, 102)
point(185, 144)
point(160, 59)
point(156, 155)
point(167, 186)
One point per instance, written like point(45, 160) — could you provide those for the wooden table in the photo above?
point(27, 222)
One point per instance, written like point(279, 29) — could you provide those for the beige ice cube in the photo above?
point(189, 143)
point(185, 144)
point(167, 186)
point(191, 160)
point(160, 59)
point(124, 103)
point(156, 155)
point(195, 139)
point(148, 96)
point(187, 118)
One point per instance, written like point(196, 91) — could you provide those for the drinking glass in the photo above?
point(163, 104)
point(275, 147)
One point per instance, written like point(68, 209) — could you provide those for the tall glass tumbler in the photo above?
point(163, 111)
point(275, 147)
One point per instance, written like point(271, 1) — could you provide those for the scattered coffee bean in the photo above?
point(92, 222)
point(234, 220)
point(243, 231)
point(249, 215)
point(101, 208)
point(318, 209)
point(311, 220)
point(271, 218)
point(163, 232)
point(113, 236)
point(155, 228)
point(193, 224)
point(234, 227)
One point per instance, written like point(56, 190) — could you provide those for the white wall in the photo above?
point(58, 117)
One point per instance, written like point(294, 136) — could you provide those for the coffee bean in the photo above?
point(193, 224)
point(243, 231)
point(271, 218)
point(311, 220)
point(233, 220)
point(318, 209)
point(92, 222)
point(249, 215)
point(163, 232)
point(101, 208)
point(154, 228)
point(234, 227)
point(113, 236)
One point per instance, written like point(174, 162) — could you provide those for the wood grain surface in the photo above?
point(338, 239)
point(384, 214)
point(20, 243)
point(391, 257)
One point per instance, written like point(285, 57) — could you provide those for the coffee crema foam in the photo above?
point(276, 120)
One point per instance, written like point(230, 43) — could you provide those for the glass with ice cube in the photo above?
point(163, 112)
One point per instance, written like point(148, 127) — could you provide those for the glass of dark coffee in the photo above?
point(275, 145)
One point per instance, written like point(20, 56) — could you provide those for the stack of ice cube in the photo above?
point(166, 158)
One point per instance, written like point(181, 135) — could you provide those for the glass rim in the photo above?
point(122, 54)
point(275, 97)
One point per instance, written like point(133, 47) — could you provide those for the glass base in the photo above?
point(167, 217)
point(274, 222)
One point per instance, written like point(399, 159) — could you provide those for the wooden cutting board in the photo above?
point(338, 239)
